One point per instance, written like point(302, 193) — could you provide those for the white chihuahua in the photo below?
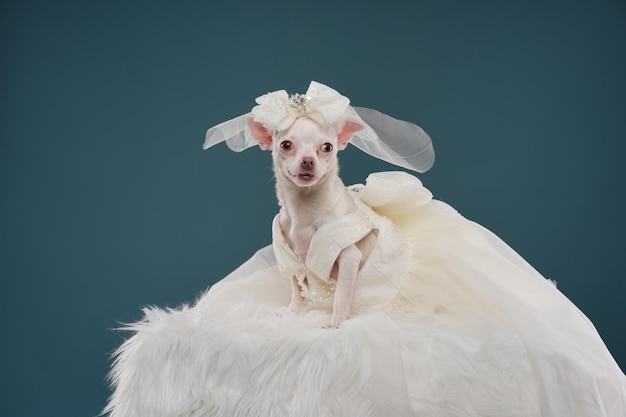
point(311, 194)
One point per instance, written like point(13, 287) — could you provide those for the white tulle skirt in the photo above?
point(476, 331)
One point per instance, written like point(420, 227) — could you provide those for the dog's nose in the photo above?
point(307, 162)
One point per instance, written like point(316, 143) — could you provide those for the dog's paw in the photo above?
point(293, 309)
point(335, 322)
point(336, 319)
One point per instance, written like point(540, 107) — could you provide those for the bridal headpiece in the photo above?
point(278, 110)
point(395, 141)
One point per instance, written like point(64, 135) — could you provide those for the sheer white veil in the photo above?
point(395, 141)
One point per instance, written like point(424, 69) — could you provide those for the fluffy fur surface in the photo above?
point(183, 364)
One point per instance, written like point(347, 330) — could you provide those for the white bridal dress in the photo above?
point(447, 320)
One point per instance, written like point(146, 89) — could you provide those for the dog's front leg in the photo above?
point(296, 296)
point(348, 268)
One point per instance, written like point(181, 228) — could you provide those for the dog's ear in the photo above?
point(260, 133)
point(345, 131)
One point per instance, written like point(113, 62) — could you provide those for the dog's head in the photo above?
point(306, 151)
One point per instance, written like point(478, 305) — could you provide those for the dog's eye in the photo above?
point(327, 147)
point(286, 145)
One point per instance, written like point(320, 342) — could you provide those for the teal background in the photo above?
point(108, 202)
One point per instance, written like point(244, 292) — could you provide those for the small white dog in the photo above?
point(311, 194)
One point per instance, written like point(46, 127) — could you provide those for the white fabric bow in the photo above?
point(278, 110)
